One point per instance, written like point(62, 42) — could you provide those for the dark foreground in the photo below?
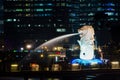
point(101, 74)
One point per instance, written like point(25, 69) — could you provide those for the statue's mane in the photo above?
point(86, 31)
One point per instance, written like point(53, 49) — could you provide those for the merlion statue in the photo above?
point(86, 42)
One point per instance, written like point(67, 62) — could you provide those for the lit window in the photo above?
point(48, 25)
point(27, 10)
point(116, 19)
point(29, 25)
point(82, 5)
point(90, 14)
point(27, 15)
point(89, 4)
point(48, 9)
point(15, 0)
point(19, 10)
point(41, 4)
point(109, 13)
point(110, 9)
point(110, 19)
point(9, 20)
point(61, 30)
point(39, 25)
point(49, 20)
point(62, 4)
point(54, 25)
point(72, 14)
point(1, 22)
point(49, 4)
point(61, 25)
point(68, 5)
point(110, 4)
point(71, 20)
point(27, 4)
point(47, 14)
point(18, 25)
point(35, 25)
point(39, 9)
point(41, 14)
point(99, 9)
point(14, 19)
point(59, 20)
point(116, 14)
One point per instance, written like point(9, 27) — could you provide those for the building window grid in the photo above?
point(73, 20)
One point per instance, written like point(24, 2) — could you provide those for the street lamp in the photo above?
point(28, 46)
point(21, 48)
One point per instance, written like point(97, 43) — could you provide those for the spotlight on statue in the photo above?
point(86, 43)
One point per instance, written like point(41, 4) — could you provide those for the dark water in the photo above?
point(88, 77)
point(20, 78)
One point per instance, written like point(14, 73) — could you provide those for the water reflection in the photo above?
point(20, 78)
point(44, 79)
point(108, 76)
point(11, 78)
point(87, 77)
point(33, 79)
point(103, 76)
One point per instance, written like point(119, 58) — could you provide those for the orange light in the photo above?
point(0, 60)
point(33, 65)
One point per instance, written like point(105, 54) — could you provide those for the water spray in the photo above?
point(55, 40)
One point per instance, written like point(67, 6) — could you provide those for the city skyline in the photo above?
point(1, 27)
point(38, 21)
point(59, 35)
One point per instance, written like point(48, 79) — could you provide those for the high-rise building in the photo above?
point(1, 27)
point(90, 9)
point(1, 17)
point(33, 21)
point(103, 15)
point(38, 20)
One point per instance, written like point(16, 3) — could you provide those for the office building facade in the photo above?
point(1, 27)
point(34, 21)
point(37, 19)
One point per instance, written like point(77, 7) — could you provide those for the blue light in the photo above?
point(87, 62)
point(110, 4)
point(72, 14)
point(110, 9)
point(49, 4)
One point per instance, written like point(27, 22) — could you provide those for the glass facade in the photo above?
point(1, 17)
point(1, 27)
point(31, 19)
point(35, 10)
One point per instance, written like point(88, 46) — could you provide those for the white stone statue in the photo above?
point(86, 42)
